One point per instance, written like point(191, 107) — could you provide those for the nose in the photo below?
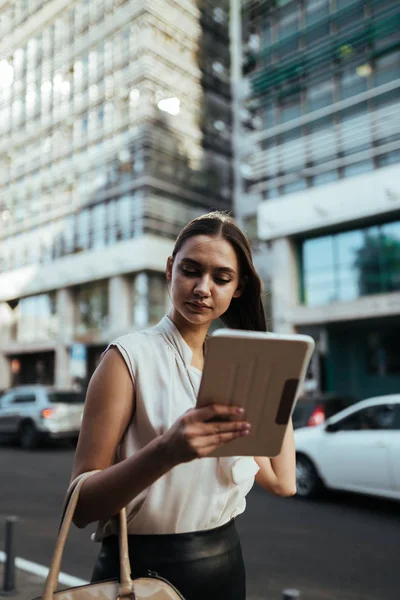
point(202, 287)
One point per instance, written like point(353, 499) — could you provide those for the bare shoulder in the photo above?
point(109, 408)
point(111, 370)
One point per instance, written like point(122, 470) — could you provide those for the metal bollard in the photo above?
point(9, 565)
point(290, 595)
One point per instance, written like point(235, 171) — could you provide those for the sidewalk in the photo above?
point(28, 586)
point(30, 579)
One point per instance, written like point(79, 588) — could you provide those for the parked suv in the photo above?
point(314, 409)
point(31, 413)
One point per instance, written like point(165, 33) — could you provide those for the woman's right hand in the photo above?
point(199, 431)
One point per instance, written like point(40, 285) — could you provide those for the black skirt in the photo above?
point(202, 565)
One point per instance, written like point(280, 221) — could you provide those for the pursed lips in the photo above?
point(198, 305)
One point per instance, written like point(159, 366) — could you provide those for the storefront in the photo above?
point(32, 368)
point(363, 358)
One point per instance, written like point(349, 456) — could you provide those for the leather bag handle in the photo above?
point(126, 584)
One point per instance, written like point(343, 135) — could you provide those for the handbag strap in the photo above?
point(126, 585)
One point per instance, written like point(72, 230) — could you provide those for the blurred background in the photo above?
point(121, 120)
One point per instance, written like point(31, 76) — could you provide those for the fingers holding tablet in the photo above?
point(197, 433)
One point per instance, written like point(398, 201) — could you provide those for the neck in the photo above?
point(194, 335)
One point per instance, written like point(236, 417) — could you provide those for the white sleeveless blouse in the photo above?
point(194, 496)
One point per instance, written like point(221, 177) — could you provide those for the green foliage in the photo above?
point(378, 263)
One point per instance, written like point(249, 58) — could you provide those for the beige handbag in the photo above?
point(146, 588)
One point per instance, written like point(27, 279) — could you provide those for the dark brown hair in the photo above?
point(247, 311)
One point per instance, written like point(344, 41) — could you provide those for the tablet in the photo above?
point(261, 372)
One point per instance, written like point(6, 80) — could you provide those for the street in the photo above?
point(341, 547)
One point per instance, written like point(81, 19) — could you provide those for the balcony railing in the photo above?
point(359, 138)
point(331, 49)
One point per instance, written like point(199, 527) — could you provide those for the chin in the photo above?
point(200, 318)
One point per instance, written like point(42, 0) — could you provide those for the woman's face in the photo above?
point(203, 277)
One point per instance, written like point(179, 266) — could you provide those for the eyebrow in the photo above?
point(195, 263)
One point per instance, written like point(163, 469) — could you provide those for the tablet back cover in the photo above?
point(261, 374)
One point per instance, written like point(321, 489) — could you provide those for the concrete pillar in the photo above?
point(66, 315)
point(236, 53)
point(62, 376)
point(285, 283)
point(5, 372)
point(6, 320)
point(66, 322)
point(140, 304)
point(119, 301)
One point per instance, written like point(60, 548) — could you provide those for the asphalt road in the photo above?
point(343, 547)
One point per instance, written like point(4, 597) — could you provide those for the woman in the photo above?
point(142, 430)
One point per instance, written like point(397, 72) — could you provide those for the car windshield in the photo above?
point(67, 397)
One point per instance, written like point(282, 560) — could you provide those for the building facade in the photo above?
point(320, 176)
point(115, 131)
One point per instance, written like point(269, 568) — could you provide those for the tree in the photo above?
point(378, 264)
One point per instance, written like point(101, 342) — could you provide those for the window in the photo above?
point(292, 152)
point(324, 178)
point(264, 41)
point(382, 353)
point(269, 115)
point(345, 266)
point(149, 296)
point(372, 418)
point(290, 109)
point(396, 420)
point(92, 301)
point(387, 68)
point(316, 34)
point(83, 230)
point(288, 23)
point(294, 186)
point(316, 10)
point(351, 84)
point(318, 268)
point(348, 247)
point(24, 399)
point(319, 95)
point(251, 227)
point(357, 168)
point(157, 297)
point(99, 225)
point(66, 398)
point(68, 234)
point(323, 140)
point(124, 217)
point(350, 17)
point(288, 28)
point(36, 318)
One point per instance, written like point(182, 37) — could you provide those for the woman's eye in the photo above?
point(189, 272)
point(222, 281)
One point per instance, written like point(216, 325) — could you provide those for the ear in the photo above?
point(241, 287)
point(168, 269)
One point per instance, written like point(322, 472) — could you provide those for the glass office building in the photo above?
point(115, 131)
point(321, 177)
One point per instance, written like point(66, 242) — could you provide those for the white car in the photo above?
point(357, 450)
point(31, 413)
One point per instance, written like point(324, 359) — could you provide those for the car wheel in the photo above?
point(28, 436)
point(308, 483)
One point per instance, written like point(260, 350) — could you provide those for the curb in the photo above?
point(42, 571)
